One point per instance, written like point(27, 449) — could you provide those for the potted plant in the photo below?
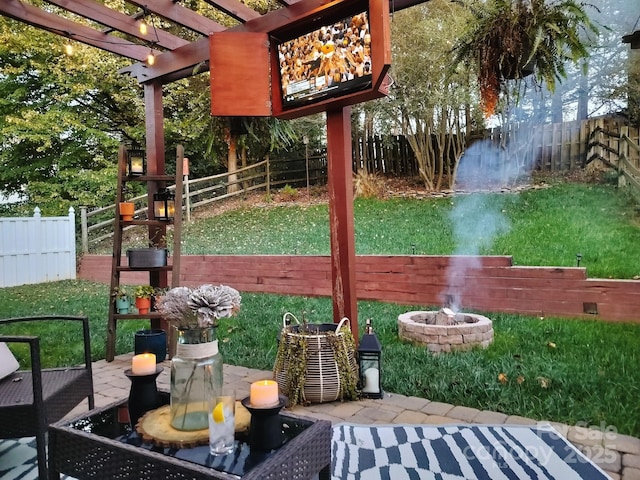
point(121, 300)
point(511, 39)
point(316, 362)
point(126, 210)
point(143, 294)
point(158, 292)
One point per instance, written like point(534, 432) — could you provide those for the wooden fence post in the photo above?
point(623, 154)
point(268, 179)
point(84, 229)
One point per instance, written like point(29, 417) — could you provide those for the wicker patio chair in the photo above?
point(30, 400)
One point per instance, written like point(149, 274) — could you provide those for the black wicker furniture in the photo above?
point(31, 400)
point(101, 445)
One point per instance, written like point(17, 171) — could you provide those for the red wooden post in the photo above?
point(343, 251)
point(154, 115)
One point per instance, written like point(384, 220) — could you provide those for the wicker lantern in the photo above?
point(370, 363)
point(164, 205)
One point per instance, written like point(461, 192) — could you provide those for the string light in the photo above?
point(144, 29)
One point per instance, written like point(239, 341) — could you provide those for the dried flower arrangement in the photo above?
point(186, 308)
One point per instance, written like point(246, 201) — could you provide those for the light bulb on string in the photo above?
point(151, 58)
point(144, 29)
point(68, 49)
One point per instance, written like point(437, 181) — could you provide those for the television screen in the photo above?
point(329, 61)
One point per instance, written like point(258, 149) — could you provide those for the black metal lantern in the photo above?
point(135, 161)
point(164, 205)
point(370, 363)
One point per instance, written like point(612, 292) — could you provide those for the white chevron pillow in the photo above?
point(8, 363)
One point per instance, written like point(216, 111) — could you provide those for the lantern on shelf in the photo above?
point(135, 161)
point(370, 363)
point(164, 205)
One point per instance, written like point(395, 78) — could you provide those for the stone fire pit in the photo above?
point(444, 330)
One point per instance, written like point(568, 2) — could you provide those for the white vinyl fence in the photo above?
point(37, 249)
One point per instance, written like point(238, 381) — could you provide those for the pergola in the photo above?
point(179, 44)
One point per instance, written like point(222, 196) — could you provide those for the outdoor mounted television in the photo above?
point(315, 56)
point(332, 59)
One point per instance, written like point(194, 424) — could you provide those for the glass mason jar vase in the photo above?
point(196, 377)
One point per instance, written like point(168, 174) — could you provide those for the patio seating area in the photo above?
point(617, 455)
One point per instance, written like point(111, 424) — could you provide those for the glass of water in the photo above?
point(222, 423)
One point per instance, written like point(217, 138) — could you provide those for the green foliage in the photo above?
point(68, 297)
point(119, 293)
point(547, 227)
point(507, 38)
point(143, 291)
point(575, 371)
point(57, 125)
point(288, 192)
point(426, 103)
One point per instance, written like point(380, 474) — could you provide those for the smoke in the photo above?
point(478, 218)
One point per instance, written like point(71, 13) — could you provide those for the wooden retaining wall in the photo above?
point(489, 284)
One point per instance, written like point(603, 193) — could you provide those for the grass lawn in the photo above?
point(542, 227)
point(565, 370)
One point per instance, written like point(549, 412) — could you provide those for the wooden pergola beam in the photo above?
point(234, 9)
point(53, 23)
point(180, 15)
point(168, 65)
point(115, 20)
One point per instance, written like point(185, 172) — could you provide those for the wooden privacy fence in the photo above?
point(390, 155)
point(37, 249)
point(490, 284)
point(557, 147)
point(629, 163)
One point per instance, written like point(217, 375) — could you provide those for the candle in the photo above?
point(371, 380)
point(137, 165)
point(143, 364)
point(264, 393)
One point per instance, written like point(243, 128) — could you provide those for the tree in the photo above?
point(59, 130)
point(62, 118)
point(426, 103)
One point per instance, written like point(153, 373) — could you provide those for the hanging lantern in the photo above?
point(164, 205)
point(370, 363)
point(135, 161)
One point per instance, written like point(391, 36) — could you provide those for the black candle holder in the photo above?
point(265, 428)
point(143, 395)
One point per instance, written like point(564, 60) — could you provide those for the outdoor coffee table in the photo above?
point(101, 445)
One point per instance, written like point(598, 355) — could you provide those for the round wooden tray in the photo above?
point(155, 427)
